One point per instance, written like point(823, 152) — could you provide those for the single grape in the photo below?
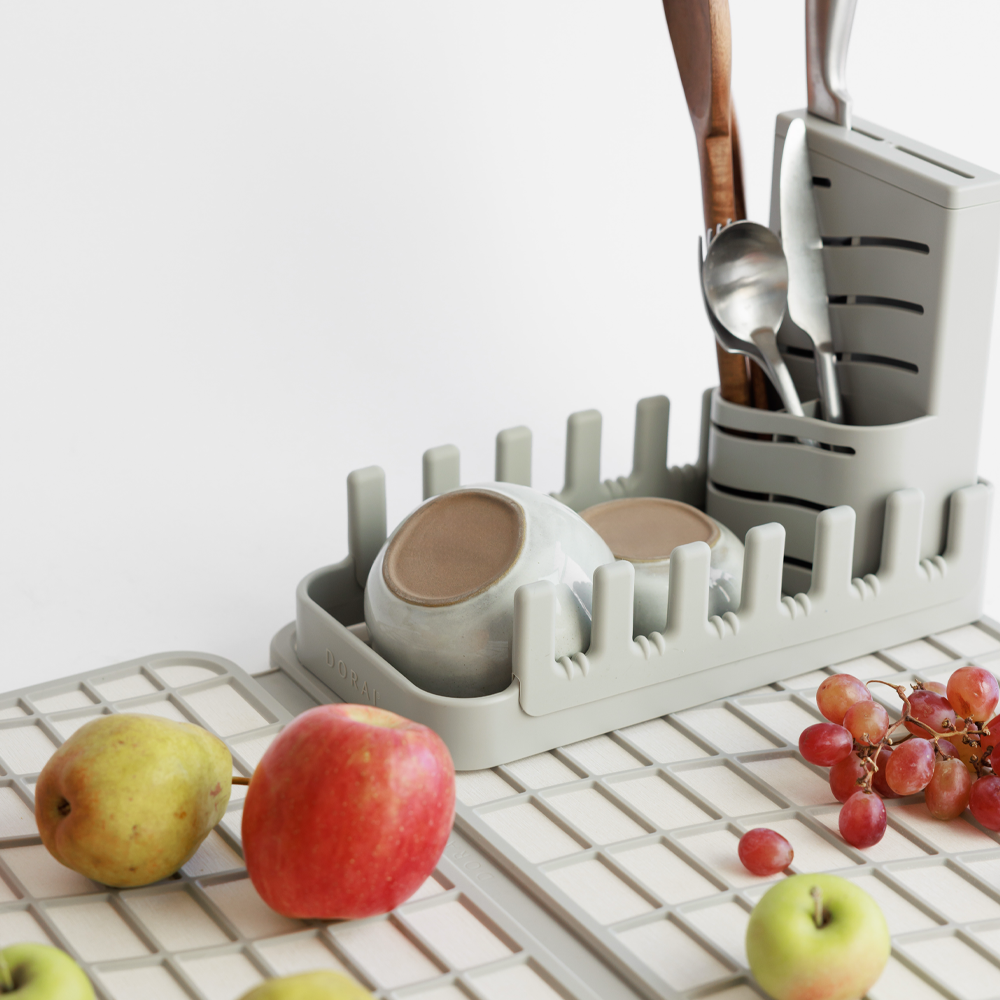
point(974, 693)
point(946, 748)
point(844, 777)
point(947, 793)
point(984, 801)
point(867, 722)
point(932, 710)
point(863, 819)
point(936, 686)
point(837, 693)
point(878, 779)
point(764, 852)
point(825, 743)
point(910, 767)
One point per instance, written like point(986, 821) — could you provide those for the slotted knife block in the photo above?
point(911, 237)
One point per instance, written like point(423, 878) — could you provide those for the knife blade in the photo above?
point(803, 246)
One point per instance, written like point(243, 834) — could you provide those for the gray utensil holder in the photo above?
point(911, 240)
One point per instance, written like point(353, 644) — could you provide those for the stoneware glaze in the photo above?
point(439, 602)
point(645, 530)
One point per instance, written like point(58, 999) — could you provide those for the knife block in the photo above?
point(911, 238)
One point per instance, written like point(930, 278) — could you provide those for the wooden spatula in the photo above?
point(764, 398)
point(700, 35)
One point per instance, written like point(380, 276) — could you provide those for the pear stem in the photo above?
point(6, 979)
point(238, 780)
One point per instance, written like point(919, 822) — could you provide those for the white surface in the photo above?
point(246, 248)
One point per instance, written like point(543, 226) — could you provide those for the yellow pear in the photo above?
point(309, 986)
point(127, 799)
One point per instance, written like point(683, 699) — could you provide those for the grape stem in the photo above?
point(870, 767)
point(971, 733)
point(934, 735)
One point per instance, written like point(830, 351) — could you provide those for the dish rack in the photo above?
point(873, 538)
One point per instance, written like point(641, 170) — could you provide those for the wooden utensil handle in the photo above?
point(758, 380)
point(734, 380)
point(700, 35)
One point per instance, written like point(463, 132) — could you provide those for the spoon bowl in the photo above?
point(744, 280)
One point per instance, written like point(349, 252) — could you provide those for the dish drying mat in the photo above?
point(205, 933)
point(631, 837)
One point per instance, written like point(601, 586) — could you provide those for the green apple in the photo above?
point(127, 799)
point(309, 986)
point(41, 972)
point(817, 937)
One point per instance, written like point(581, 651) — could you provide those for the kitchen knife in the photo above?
point(828, 30)
point(803, 246)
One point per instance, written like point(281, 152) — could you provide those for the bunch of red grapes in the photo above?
point(945, 751)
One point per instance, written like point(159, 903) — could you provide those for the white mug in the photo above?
point(645, 530)
point(439, 602)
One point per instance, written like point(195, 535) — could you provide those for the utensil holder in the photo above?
point(911, 239)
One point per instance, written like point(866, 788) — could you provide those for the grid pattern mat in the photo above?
point(205, 933)
point(631, 838)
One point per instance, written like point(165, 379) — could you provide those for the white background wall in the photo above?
point(247, 247)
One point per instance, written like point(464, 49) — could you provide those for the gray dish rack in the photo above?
point(874, 538)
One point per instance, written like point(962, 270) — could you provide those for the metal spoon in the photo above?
point(744, 280)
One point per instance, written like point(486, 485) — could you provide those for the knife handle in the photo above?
point(828, 31)
point(829, 390)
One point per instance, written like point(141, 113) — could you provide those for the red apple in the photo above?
point(347, 813)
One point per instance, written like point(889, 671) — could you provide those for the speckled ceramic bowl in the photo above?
point(645, 530)
point(439, 602)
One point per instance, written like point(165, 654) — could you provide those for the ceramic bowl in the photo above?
point(645, 530)
point(439, 602)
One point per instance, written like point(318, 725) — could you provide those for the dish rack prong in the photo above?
point(687, 603)
point(833, 582)
point(513, 461)
point(442, 470)
point(651, 476)
point(904, 515)
point(763, 563)
point(366, 519)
